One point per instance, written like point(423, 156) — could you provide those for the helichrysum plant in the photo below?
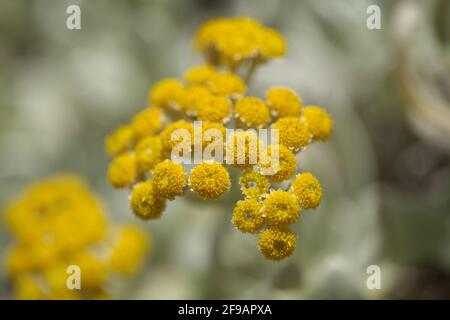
point(57, 223)
point(212, 97)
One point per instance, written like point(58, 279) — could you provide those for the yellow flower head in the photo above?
point(293, 132)
point(147, 122)
point(27, 287)
point(209, 137)
point(247, 216)
point(306, 188)
point(281, 208)
point(122, 170)
point(199, 74)
point(168, 143)
point(214, 109)
point(242, 149)
point(209, 180)
point(319, 122)
point(273, 44)
point(277, 243)
point(120, 140)
point(168, 179)
point(148, 153)
point(165, 93)
point(254, 184)
point(283, 102)
point(129, 250)
point(287, 164)
point(252, 112)
point(226, 84)
point(144, 202)
point(93, 270)
point(192, 98)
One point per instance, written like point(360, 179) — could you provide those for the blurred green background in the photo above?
point(385, 172)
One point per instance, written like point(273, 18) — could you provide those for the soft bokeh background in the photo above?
point(385, 173)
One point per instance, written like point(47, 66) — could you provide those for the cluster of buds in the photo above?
point(60, 228)
point(209, 106)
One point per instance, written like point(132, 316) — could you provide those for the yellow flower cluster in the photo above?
point(58, 223)
point(148, 151)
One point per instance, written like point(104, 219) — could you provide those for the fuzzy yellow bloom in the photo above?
point(129, 250)
point(242, 149)
point(319, 122)
point(214, 109)
point(168, 179)
point(165, 93)
point(247, 216)
point(209, 180)
point(169, 142)
point(93, 270)
point(293, 132)
point(144, 202)
point(147, 122)
point(253, 184)
point(252, 112)
point(28, 288)
point(287, 164)
point(306, 188)
point(192, 98)
point(120, 140)
point(148, 153)
point(277, 243)
point(273, 44)
point(199, 74)
point(281, 208)
point(122, 170)
point(283, 102)
point(226, 84)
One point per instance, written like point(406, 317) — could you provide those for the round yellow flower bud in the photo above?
point(306, 188)
point(147, 122)
point(247, 216)
point(199, 74)
point(293, 132)
point(122, 170)
point(281, 208)
point(166, 92)
point(214, 109)
point(120, 140)
point(144, 203)
point(319, 122)
point(253, 184)
point(168, 143)
point(283, 102)
point(226, 84)
point(252, 112)
point(287, 164)
point(209, 180)
point(148, 153)
point(168, 179)
point(192, 99)
point(277, 243)
point(272, 44)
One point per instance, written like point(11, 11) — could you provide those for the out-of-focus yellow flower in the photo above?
point(168, 179)
point(287, 165)
point(129, 250)
point(165, 93)
point(209, 180)
point(252, 112)
point(147, 122)
point(319, 122)
point(273, 44)
point(247, 216)
point(226, 84)
point(144, 202)
point(293, 132)
point(120, 140)
point(242, 149)
point(122, 170)
point(283, 102)
point(253, 184)
point(27, 288)
point(192, 99)
point(214, 109)
point(277, 243)
point(148, 153)
point(168, 143)
point(307, 190)
point(199, 74)
point(281, 208)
